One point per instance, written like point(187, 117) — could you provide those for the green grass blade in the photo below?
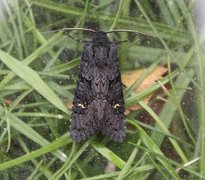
point(164, 128)
point(128, 164)
point(48, 148)
point(30, 133)
point(108, 154)
point(33, 79)
point(150, 144)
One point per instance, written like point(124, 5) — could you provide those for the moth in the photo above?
point(98, 105)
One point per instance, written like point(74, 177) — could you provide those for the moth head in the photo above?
point(100, 39)
point(101, 48)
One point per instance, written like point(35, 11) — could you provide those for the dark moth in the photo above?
point(98, 104)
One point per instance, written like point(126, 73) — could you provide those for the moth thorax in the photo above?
point(101, 56)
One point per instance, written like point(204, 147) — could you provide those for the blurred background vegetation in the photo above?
point(162, 66)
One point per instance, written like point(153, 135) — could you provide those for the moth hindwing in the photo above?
point(98, 104)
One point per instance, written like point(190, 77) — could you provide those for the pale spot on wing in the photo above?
point(116, 105)
point(81, 105)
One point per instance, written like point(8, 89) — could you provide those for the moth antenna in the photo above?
point(70, 29)
point(129, 31)
point(123, 30)
point(67, 34)
point(117, 42)
point(120, 42)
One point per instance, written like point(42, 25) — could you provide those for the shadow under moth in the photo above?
point(98, 104)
